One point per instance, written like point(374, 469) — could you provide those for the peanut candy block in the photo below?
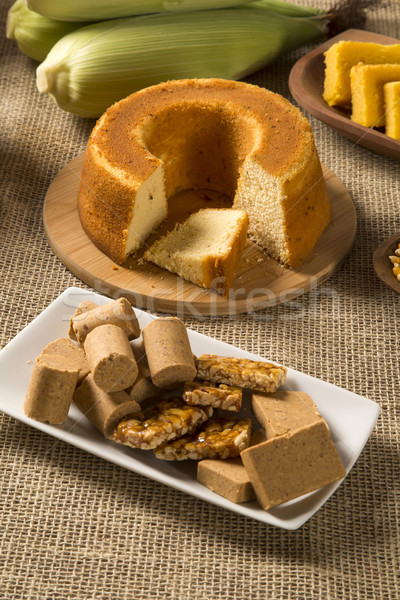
point(166, 421)
point(255, 375)
point(219, 438)
point(204, 393)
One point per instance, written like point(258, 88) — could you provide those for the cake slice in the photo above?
point(391, 93)
point(342, 56)
point(367, 81)
point(205, 249)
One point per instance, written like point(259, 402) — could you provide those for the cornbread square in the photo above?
point(367, 81)
point(205, 249)
point(284, 411)
point(391, 94)
point(293, 464)
point(342, 56)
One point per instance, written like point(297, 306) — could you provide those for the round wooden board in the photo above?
point(260, 281)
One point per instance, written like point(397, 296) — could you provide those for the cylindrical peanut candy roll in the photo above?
point(64, 347)
point(168, 352)
point(142, 389)
point(83, 307)
point(110, 357)
point(141, 358)
point(104, 409)
point(51, 388)
point(119, 312)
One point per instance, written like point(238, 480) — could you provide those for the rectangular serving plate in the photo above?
point(350, 417)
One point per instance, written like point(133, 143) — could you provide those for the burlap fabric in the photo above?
point(75, 526)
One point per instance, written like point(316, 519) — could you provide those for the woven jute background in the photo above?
point(75, 526)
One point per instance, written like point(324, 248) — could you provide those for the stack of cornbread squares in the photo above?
point(365, 76)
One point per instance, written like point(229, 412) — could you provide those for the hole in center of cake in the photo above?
point(202, 147)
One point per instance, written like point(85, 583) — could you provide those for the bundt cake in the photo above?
point(238, 139)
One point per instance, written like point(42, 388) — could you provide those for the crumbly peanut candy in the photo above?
point(220, 438)
point(255, 375)
point(284, 411)
point(65, 347)
point(229, 478)
point(290, 465)
point(166, 421)
point(203, 393)
point(82, 308)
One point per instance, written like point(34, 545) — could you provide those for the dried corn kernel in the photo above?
point(395, 260)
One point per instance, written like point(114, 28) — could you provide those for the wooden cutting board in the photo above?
point(260, 282)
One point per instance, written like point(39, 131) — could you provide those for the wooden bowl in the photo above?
point(383, 266)
point(306, 83)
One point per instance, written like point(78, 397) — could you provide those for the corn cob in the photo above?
point(90, 69)
point(34, 34)
point(285, 8)
point(100, 10)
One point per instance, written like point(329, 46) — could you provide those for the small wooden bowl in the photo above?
point(382, 265)
point(306, 83)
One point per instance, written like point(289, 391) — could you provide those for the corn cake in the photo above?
point(238, 139)
point(205, 249)
point(367, 81)
point(391, 95)
point(342, 56)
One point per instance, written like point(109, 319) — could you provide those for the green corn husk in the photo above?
point(34, 34)
point(100, 10)
point(285, 8)
point(90, 69)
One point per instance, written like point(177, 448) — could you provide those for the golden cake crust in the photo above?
point(283, 127)
point(138, 134)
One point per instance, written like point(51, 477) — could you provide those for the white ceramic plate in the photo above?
point(351, 418)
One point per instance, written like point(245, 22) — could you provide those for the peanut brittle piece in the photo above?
point(252, 374)
point(167, 420)
point(204, 393)
point(219, 438)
